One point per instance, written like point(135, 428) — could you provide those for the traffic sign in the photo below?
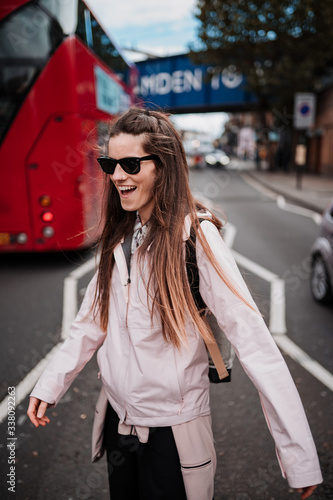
point(304, 110)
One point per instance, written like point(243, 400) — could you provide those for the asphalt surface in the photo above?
point(53, 463)
point(31, 309)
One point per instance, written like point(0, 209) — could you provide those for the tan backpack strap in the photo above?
point(215, 354)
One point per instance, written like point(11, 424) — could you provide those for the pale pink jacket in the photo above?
point(149, 383)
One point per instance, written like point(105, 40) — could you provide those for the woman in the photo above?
point(139, 311)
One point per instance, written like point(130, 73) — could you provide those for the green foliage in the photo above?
point(281, 46)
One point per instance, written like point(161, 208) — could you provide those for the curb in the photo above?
point(293, 199)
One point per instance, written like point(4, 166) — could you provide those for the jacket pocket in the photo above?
point(199, 480)
point(195, 445)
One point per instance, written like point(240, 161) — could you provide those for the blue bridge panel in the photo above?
point(178, 84)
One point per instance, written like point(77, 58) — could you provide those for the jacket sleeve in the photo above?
point(84, 339)
point(262, 362)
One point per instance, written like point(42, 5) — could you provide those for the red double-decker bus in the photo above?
point(61, 80)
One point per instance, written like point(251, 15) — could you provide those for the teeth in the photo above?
point(126, 188)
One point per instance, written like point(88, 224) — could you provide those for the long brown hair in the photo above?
point(168, 283)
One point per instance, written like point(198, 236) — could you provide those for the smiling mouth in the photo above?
point(126, 191)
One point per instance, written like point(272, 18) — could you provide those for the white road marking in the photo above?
point(70, 307)
point(281, 201)
point(317, 218)
point(70, 295)
point(255, 268)
point(305, 212)
point(277, 317)
point(277, 325)
point(258, 187)
point(303, 359)
point(277, 321)
point(85, 268)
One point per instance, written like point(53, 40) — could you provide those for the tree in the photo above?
point(282, 47)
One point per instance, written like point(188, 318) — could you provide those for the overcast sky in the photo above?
point(161, 28)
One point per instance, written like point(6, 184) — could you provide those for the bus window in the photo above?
point(81, 23)
point(106, 50)
point(28, 37)
point(92, 34)
point(64, 12)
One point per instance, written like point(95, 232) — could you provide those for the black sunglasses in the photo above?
point(130, 165)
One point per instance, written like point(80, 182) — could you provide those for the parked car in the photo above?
point(217, 158)
point(321, 278)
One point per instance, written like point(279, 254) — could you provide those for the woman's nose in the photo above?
point(119, 173)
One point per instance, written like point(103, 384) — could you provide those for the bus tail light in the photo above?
point(47, 216)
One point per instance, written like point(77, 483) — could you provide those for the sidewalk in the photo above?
point(315, 192)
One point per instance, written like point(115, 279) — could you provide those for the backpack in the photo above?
point(222, 347)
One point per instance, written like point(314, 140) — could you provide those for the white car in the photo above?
point(321, 278)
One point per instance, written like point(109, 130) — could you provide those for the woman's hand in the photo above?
point(306, 492)
point(36, 412)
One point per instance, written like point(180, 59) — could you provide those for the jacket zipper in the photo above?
point(127, 305)
point(128, 291)
point(179, 387)
point(124, 276)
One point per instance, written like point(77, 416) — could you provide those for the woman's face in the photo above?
point(136, 190)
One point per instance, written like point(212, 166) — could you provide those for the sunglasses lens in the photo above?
point(130, 165)
point(107, 164)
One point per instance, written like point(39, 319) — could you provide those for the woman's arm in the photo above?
point(84, 339)
point(262, 361)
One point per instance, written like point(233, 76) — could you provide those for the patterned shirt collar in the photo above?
point(139, 233)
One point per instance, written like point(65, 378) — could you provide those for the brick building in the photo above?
point(320, 145)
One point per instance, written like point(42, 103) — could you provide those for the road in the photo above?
point(54, 463)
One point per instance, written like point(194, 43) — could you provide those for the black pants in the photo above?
point(139, 471)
